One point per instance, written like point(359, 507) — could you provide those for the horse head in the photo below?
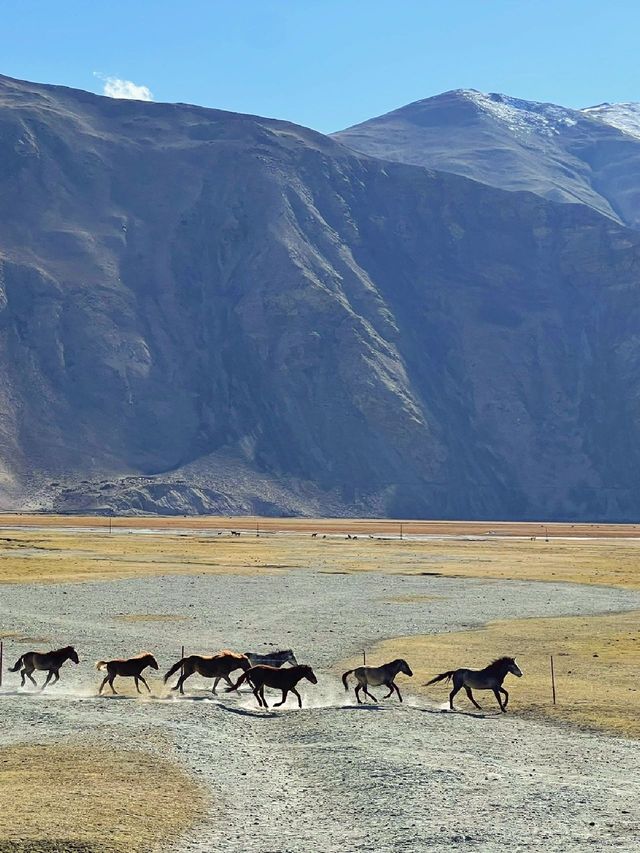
point(400, 665)
point(244, 663)
point(309, 674)
point(289, 657)
point(514, 669)
point(151, 661)
point(72, 654)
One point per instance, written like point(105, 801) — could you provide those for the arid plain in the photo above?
point(214, 772)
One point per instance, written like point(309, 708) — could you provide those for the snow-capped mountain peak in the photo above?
point(522, 117)
point(624, 117)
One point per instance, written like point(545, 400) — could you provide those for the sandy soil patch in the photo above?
point(352, 526)
point(60, 556)
point(595, 663)
point(89, 798)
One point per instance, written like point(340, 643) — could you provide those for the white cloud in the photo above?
point(114, 87)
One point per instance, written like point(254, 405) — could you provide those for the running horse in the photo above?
point(212, 666)
point(127, 668)
point(376, 676)
point(284, 679)
point(49, 662)
point(489, 678)
point(278, 658)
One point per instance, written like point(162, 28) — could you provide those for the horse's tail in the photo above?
point(173, 669)
point(444, 676)
point(100, 664)
point(344, 678)
point(16, 665)
point(235, 686)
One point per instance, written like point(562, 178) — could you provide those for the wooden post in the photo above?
point(401, 530)
point(181, 657)
point(364, 657)
point(553, 681)
point(257, 529)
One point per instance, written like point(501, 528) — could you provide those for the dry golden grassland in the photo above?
point(595, 662)
point(92, 799)
point(55, 555)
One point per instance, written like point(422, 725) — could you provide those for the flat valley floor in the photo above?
point(82, 772)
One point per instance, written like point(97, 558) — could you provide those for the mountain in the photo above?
point(209, 312)
point(589, 156)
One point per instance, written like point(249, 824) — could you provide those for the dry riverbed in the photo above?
point(332, 777)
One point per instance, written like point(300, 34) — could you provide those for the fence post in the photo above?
point(364, 657)
point(553, 681)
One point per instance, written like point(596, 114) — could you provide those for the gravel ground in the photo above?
point(332, 777)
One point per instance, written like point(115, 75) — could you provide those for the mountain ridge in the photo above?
point(207, 312)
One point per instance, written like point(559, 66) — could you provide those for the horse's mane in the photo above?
point(141, 655)
point(498, 663)
point(229, 653)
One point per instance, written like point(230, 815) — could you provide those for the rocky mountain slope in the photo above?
point(589, 156)
point(202, 311)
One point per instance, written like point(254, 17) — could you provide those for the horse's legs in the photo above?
point(496, 693)
point(294, 691)
point(358, 689)
point(135, 678)
point(22, 674)
point(28, 673)
point(391, 687)
point(456, 688)
point(256, 693)
point(470, 695)
point(264, 701)
point(49, 674)
point(181, 681)
point(364, 687)
point(397, 690)
point(111, 680)
point(216, 681)
point(56, 675)
point(142, 679)
point(506, 697)
point(283, 700)
point(104, 681)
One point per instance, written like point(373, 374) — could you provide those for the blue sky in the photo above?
point(324, 63)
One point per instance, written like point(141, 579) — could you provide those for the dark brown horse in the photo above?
point(214, 666)
point(284, 679)
point(489, 678)
point(127, 668)
point(44, 661)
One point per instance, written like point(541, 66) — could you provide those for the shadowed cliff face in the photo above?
point(202, 311)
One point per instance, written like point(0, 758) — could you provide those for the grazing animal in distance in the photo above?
point(235, 533)
point(127, 668)
point(278, 658)
point(489, 678)
point(212, 666)
point(313, 535)
point(375, 676)
point(284, 679)
point(49, 662)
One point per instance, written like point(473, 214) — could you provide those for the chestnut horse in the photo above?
point(127, 668)
point(44, 661)
point(214, 666)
